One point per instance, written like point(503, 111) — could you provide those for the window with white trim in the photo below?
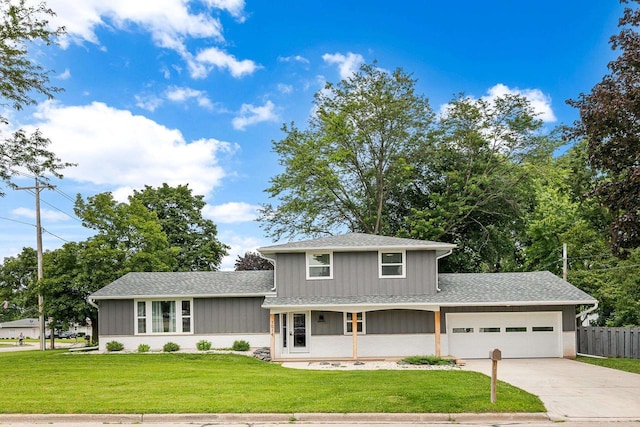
point(319, 265)
point(360, 323)
point(392, 264)
point(164, 317)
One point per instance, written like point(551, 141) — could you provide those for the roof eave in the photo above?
point(369, 248)
point(159, 297)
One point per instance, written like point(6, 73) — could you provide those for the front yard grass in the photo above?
point(58, 382)
point(628, 365)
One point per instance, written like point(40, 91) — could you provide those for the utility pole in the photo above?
point(37, 189)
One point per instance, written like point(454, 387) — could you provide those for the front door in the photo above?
point(298, 333)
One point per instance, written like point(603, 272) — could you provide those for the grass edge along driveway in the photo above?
point(59, 382)
point(627, 365)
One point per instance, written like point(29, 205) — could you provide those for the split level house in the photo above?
point(353, 296)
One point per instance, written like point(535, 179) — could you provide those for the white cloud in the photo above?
point(234, 7)
point(119, 150)
point(283, 88)
point(232, 212)
point(296, 58)
point(210, 58)
point(183, 94)
point(251, 115)
point(540, 102)
point(45, 214)
point(149, 103)
point(171, 23)
point(239, 246)
point(347, 65)
point(65, 75)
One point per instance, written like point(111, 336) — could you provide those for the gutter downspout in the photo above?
point(438, 259)
point(586, 312)
point(92, 304)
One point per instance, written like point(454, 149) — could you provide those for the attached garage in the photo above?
point(516, 334)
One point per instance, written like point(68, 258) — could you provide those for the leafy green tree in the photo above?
point(18, 277)
point(180, 215)
point(21, 78)
point(474, 188)
point(251, 261)
point(610, 121)
point(341, 171)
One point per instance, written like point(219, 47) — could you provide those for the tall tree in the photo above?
point(475, 187)
point(18, 277)
point(339, 173)
point(22, 25)
point(251, 261)
point(610, 121)
point(180, 215)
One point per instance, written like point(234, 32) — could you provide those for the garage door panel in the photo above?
point(517, 335)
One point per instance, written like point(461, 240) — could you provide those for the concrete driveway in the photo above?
point(571, 390)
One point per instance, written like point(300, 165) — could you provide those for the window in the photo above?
point(360, 323)
point(462, 330)
point(319, 265)
point(166, 317)
point(489, 329)
point(142, 317)
point(392, 264)
point(542, 329)
point(516, 329)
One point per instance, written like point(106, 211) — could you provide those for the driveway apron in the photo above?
point(570, 389)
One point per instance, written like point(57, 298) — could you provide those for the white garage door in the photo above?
point(517, 335)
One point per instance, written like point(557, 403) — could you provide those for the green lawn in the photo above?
point(58, 382)
point(629, 365)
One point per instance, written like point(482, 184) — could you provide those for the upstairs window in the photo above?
point(392, 264)
point(319, 265)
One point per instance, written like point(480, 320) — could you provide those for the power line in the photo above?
point(15, 220)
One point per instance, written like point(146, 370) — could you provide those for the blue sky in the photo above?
point(182, 91)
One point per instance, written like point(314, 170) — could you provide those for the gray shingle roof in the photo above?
point(532, 288)
point(204, 283)
point(356, 241)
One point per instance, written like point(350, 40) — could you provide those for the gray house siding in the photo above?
point(230, 315)
point(327, 323)
point(115, 317)
point(400, 322)
point(568, 313)
point(356, 273)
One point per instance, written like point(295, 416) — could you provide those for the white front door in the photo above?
point(516, 334)
point(299, 332)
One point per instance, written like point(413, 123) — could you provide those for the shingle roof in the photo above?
point(204, 283)
point(531, 288)
point(21, 323)
point(355, 242)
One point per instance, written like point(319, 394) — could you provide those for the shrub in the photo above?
point(240, 345)
point(426, 360)
point(143, 348)
point(114, 346)
point(203, 345)
point(170, 347)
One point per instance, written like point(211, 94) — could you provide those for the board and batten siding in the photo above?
point(230, 315)
point(356, 273)
point(115, 317)
point(400, 322)
point(568, 313)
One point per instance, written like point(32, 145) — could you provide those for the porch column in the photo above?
point(354, 332)
point(272, 335)
point(436, 315)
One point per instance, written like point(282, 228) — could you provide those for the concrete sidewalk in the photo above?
point(571, 390)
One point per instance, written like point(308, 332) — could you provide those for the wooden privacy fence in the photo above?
point(609, 342)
